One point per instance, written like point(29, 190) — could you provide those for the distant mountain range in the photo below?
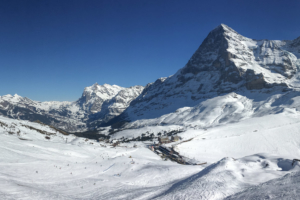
point(98, 104)
point(230, 77)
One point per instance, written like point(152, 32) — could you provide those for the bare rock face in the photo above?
point(116, 105)
point(94, 96)
point(254, 81)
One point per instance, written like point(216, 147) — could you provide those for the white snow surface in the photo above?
point(67, 167)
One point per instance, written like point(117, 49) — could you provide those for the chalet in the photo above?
point(163, 140)
point(116, 144)
point(175, 138)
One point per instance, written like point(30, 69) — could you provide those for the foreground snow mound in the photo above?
point(229, 176)
point(214, 182)
point(286, 187)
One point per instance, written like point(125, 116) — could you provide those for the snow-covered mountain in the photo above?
point(94, 96)
point(226, 65)
point(229, 78)
point(109, 100)
point(114, 106)
point(60, 114)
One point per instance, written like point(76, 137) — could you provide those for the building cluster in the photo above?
point(166, 139)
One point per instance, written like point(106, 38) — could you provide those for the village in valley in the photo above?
point(164, 146)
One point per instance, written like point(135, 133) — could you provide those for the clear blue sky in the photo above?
point(52, 49)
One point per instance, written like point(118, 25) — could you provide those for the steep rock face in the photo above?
point(115, 106)
point(94, 96)
point(225, 62)
point(122, 100)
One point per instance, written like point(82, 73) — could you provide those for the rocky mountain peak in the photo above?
point(239, 60)
point(7, 96)
point(95, 85)
point(223, 28)
point(94, 96)
point(214, 55)
point(13, 98)
point(104, 91)
point(296, 42)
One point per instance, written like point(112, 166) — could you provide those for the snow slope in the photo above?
point(67, 167)
point(286, 187)
point(230, 126)
point(32, 167)
point(274, 134)
point(228, 176)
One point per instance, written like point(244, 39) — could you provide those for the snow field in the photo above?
point(274, 134)
point(52, 169)
point(36, 168)
point(229, 176)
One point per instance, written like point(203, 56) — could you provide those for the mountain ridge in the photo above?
point(225, 63)
point(71, 116)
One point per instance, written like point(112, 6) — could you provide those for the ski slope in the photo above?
point(67, 167)
point(228, 176)
point(274, 134)
point(32, 167)
point(286, 187)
